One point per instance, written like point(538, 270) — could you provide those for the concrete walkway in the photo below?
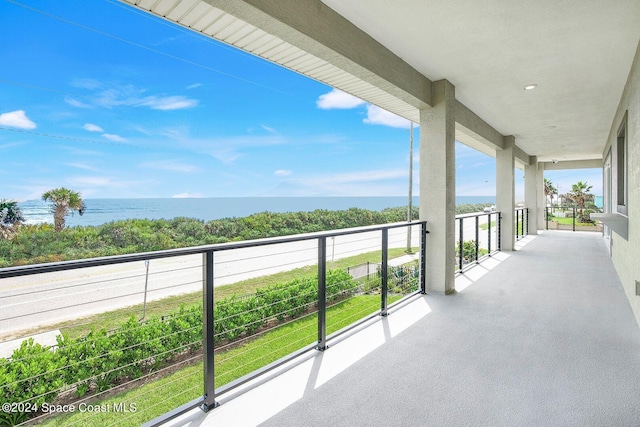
point(545, 337)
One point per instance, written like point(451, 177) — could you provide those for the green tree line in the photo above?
point(32, 244)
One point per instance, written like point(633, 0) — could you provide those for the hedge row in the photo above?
point(236, 317)
point(100, 360)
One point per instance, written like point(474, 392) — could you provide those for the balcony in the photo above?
point(527, 329)
point(540, 336)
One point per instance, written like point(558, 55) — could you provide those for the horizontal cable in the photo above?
point(234, 343)
point(97, 301)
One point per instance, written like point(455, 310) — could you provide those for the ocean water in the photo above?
point(598, 201)
point(101, 211)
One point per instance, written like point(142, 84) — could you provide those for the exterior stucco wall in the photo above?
point(626, 252)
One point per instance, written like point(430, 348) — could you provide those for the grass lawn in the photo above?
point(113, 319)
point(156, 397)
point(569, 221)
point(486, 225)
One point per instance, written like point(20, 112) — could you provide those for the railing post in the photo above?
point(208, 332)
point(520, 223)
point(526, 223)
point(546, 217)
point(322, 293)
point(423, 258)
point(384, 271)
point(460, 244)
point(574, 219)
point(499, 233)
point(477, 237)
point(489, 232)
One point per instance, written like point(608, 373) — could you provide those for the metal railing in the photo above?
point(522, 223)
point(316, 304)
point(567, 218)
point(478, 237)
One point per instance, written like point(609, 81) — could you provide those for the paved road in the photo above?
point(35, 301)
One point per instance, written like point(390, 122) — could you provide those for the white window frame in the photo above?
point(622, 167)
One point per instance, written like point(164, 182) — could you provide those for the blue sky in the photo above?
point(99, 97)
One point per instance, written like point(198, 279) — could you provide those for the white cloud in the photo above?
point(377, 182)
point(164, 103)
point(268, 129)
point(11, 145)
point(90, 84)
point(380, 182)
point(282, 172)
point(91, 181)
point(92, 128)
point(17, 119)
point(75, 103)
point(82, 166)
point(113, 137)
point(187, 196)
point(194, 86)
point(228, 149)
point(378, 116)
point(362, 176)
point(106, 186)
point(111, 95)
point(169, 165)
point(338, 99)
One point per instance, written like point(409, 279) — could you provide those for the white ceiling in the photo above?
point(578, 52)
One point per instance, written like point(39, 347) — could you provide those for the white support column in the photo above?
point(531, 193)
point(505, 192)
point(542, 199)
point(437, 186)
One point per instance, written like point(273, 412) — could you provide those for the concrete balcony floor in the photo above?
point(543, 336)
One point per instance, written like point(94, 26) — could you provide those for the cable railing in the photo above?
point(478, 236)
point(574, 218)
point(522, 223)
point(143, 338)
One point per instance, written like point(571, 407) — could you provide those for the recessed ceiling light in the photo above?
point(530, 87)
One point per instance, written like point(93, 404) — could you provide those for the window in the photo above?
point(621, 163)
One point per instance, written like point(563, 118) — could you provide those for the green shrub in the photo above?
point(102, 359)
point(236, 317)
point(469, 251)
point(32, 377)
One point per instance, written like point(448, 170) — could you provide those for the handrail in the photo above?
point(522, 222)
point(574, 213)
point(468, 253)
point(194, 250)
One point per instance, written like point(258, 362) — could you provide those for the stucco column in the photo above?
point(542, 199)
point(531, 198)
point(505, 192)
point(437, 186)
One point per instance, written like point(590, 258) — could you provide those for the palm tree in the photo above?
point(549, 190)
point(579, 194)
point(10, 215)
point(64, 200)
point(10, 212)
